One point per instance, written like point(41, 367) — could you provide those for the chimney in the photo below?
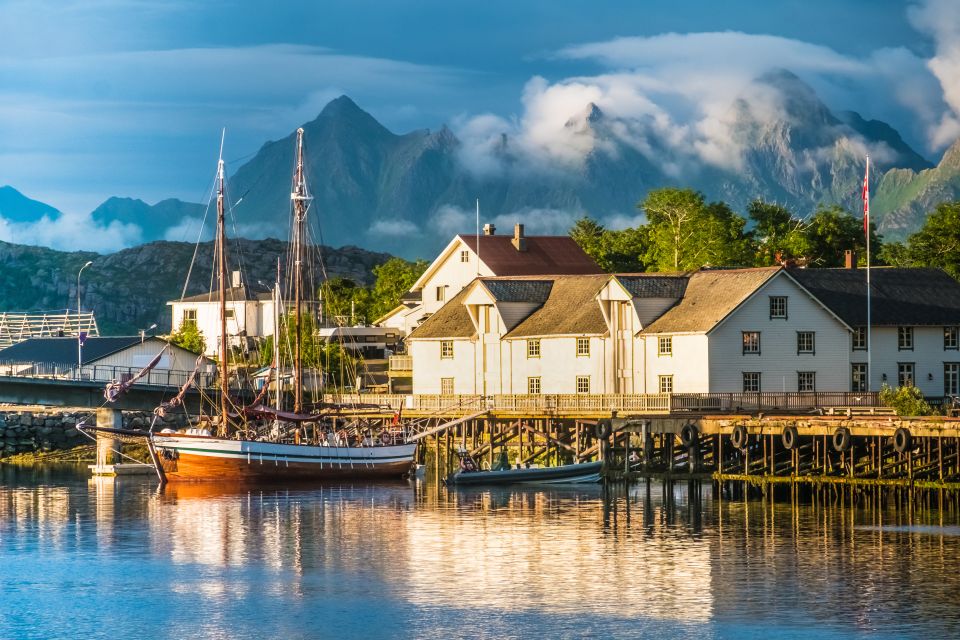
point(235, 280)
point(489, 229)
point(519, 242)
point(849, 259)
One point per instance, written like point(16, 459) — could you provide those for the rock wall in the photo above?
point(53, 429)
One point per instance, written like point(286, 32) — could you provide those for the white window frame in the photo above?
point(904, 338)
point(759, 381)
point(903, 378)
point(464, 255)
point(446, 387)
point(583, 347)
point(951, 378)
point(859, 339)
point(665, 346)
point(534, 386)
point(951, 338)
point(583, 385)
point(533, 348)
point(858, 377)
point(778, 314)
point(807, 388)
point(665, 384)
point(806, 349)
point(446, 349)
point(749, 348)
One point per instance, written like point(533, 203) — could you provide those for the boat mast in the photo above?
point(276, 335)
point(299, 197)
point(222, 274)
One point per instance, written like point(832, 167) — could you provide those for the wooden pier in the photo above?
point(764, 440)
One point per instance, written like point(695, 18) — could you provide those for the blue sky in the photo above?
point(127, 97)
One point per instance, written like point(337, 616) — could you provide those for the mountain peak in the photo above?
point(591, 114)
point(16, 207)
point(343, 105)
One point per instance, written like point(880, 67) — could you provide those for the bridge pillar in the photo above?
point(108, 449)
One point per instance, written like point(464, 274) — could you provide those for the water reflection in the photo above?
point(660, 560)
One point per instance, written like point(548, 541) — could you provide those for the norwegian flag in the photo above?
point(866, 200)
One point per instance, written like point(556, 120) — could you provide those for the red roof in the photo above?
point(545, 255)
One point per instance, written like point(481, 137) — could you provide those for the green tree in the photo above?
point(776, 233)
point(937, 244)
point(394, 278)
point(189, 337)
point(315, 353)
point(831, 231)
point(906, 401)
point(614, 251)
point(687, 233)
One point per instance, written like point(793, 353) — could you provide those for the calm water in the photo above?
point(83, 558)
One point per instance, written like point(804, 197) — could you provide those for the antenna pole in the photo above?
point(478, 237)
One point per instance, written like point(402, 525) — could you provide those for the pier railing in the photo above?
point(102, 373)
point(656, 403)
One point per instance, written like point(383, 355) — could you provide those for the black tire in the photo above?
point(604, 429)
point(739, 437)
point(902, 440)
point(841, 439)
point(689, 434)
point(789, 437)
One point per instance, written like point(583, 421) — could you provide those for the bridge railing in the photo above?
point(102, 373)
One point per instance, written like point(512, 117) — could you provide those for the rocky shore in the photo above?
point(37, 430)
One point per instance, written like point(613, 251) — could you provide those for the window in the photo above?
point(905, 338)
point(190, 317)
point(806, 381)
point(751, 382)
point(533, 386)
point(464, 256)
point(583, 384)
point(665, 346)
point(583, 347)
point(905, 374)
point(950, 339)
point(859, 338)
point(805, 342)
point(778, 307)
point(858, 377)
point(446, 386)
point(446, 349)
point(441, 293)
point(666, 384)
point(751, 342)
point(951, 378)
point(533, 348)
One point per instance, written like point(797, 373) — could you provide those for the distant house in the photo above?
point(714, 330)
point(103, 358)
point(249, 315)
point(467, 257)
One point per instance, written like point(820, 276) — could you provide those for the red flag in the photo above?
point(866, 199)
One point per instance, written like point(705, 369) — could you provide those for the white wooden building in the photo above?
point(468, 257)
point(737, 330)
point(249, 315)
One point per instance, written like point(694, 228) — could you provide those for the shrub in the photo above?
point(906, 401)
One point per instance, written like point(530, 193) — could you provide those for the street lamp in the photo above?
point(143, 332)
point(79, 333)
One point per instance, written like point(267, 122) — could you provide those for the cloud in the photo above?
point(72, 232)
point(940, 19)
point(393, 228)
point(670, 98)
point(450, 220)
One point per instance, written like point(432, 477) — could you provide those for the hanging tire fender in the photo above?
point(841, 439)
point(902, 440)
point(789, 437)
point(689, 434)
point(739, 437)
point(604, 429)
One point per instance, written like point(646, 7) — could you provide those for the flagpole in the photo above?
point(866, 228)
point(478, 237)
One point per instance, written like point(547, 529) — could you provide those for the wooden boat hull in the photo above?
point(199, 458)
point(588, 472)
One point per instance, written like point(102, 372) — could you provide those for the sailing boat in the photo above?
point(288, 450)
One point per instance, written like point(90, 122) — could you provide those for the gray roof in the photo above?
point(642, 285)
point(451, 321)
point(64, 350)
point(234, 294)
point(570, 309)
point(899, 296)
point(519, 290)
point(710, 296)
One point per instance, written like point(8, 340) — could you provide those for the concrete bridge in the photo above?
point(65, 392)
